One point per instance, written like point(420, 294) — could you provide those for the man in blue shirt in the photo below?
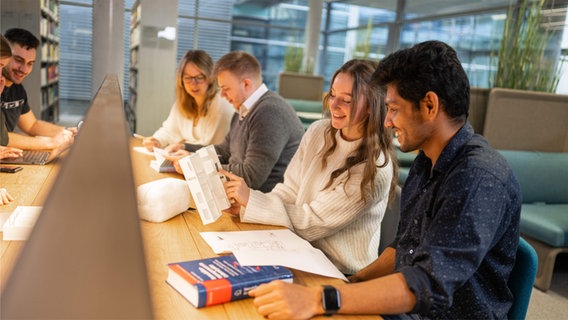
point(460, 208)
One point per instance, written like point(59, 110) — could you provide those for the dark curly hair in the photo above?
point(22, 37)
point(427, 66)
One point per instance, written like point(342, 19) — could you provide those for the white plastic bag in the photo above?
point(163, 199)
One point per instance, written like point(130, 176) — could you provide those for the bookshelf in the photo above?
point(42, 19)
point(135, 16)
point(152, 71)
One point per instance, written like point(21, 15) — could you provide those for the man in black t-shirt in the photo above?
point(5, 152)
point(17, 113)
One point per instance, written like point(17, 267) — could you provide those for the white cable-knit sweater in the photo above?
point(334, 220)
point(210, 129)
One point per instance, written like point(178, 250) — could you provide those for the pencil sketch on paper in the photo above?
point(272, 247)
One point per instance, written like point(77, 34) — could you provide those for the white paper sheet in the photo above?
point(272, 247)
point(143, 150)
point(21, 222)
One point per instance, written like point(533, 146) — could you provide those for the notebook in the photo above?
point(161, 164)
point(30, 157)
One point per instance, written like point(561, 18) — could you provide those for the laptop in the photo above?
point(40, 157)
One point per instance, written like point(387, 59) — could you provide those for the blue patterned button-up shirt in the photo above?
point(459, 231)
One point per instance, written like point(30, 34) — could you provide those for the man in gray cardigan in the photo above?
point(265, 132)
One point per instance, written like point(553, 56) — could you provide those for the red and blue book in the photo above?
point(211, 281)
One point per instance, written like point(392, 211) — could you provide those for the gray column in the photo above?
point(312, 35)
point(394, 30)
point(108, 41)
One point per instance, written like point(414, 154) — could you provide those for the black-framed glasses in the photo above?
point(197, 79)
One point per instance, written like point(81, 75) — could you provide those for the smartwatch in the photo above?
point(330, 300)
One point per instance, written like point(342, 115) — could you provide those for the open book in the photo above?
point(201, 171)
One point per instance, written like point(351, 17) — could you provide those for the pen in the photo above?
point(79, 125)
point(138, 136)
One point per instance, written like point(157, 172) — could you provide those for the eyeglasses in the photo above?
point(197, 79)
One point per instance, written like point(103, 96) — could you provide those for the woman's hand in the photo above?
point(175, 147)
point(150, 143)
point(174, 158)
point(234, 209)
point(5, 197)
point(236, 188)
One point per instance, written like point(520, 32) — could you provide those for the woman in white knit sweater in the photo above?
point(336, 188)
point(199, 114)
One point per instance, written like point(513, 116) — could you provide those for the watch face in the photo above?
point(330, 299)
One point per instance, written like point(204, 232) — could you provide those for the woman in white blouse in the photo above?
point(336, 187)
point(199, 114)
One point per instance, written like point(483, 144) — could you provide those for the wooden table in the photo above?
point(177, 239)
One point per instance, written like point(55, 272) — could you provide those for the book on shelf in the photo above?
point(211, 281)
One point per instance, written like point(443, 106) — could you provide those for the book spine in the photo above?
point(167, 169)
point(219, 291)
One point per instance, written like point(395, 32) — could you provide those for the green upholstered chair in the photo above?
point(522, 279)
point(543, 178)
point(307, 110)
point(405, 160)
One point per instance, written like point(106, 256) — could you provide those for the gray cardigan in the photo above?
point(259, 147)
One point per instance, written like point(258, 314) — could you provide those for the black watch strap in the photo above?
point(330, 300)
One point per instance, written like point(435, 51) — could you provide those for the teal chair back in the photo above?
point(522, 279)
point(389, 225)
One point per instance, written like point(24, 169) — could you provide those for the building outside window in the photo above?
point(267, 28)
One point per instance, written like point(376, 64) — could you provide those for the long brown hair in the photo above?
point(377, 138)
point(5, 49)
point(187, 104)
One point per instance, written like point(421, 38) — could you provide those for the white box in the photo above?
point(20, 223)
